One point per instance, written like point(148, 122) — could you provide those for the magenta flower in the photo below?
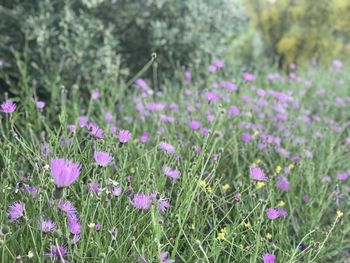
point(57, 253)
point(116, 191)
point(163, 205)
point(248, 76)
point(8, 107)
point(15, 211)
point(108, 117)
point(72, 128)
point(94, 187)
point(195, 125)
point(64, 172)
point(47, 226)
point(233, 111)
point(167, 147)
point(257, 174)
point(211, 96)
point(246, 137)
point(171, 173)
point(67, 207)
point(40, 104)
point(274, 213)
point(228, 85)
point(74, 225)
point(282, 183)
point(164, 257)
point(269, 258)
point(144, 137)
point(95, 131)
point(95, 94)
point(124, 136)
point(83, 121)
point(102, 158)
point(143, 201)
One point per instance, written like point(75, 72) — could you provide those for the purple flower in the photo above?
point(269, 258)
point(211, 96)
point(167, 147)
point(282, 183)
point(163, 205)
point(248, 76)
point(74, 225)
point(102, 158)
point(108, 117)
point(171, 173)
point(195, 124)
point(47, 226)
point(95, 94)
point(98, 227)
point(257, 174)
point(124, 136)
point(164, 257)
point(94, 187)
point(8, 107)
point(142, 201)
point(233, 111)
point(57, 253)
point(64, 172)
point(15, 211)
point(95, 131)
point(218, 63)
point(40, 104)
point(274, 213)
point(228, 85)
point(343, 176)
point(67, 207)
point(246, 137)
point(72, 128)
point(117, 190)
point(83, 121)
point(144, 137)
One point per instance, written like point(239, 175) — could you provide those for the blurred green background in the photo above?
point(83, 42)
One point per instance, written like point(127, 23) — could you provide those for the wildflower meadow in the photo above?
point(168, 132)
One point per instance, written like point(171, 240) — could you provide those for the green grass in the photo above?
point(190, 228)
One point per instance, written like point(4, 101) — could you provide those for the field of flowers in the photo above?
point(209, 168)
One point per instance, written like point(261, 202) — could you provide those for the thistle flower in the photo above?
point(40, 104)
point(74, 225)
point(144, 137)
point(282, 183)
point(124, 136)
point(116, 191)
point(102, 158)
point(95, 131)
point(257, 174)
point(164, 257)
point(163, 205)
point(67, 207)
point(268, 258)
point(274, 213)
point(57, 253)
point(47, 226)
point(167, 147)
point(94, 187)
point(64, 172)
point(171, 173)
point(143, 201)
point(8, 107)
point(95, 94)
point(15, 211)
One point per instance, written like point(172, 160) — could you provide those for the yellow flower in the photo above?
point(291, 166)
point(268, 236)
point(247, 225)
point(257, 161)
point(260, 185)
point(223, 230)
point(278, 169)
point(225, 187)
point(192, 226)
point(281, 203)
point(256, 133)
point(202, 183)
point(30, 254)
point(249, 114)
point(209, 189)
point(340, 214)
point(221, 236)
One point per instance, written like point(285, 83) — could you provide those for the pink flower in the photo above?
point(233, 111)
point(246, 137)
point(95, 131)
point(211, 96)
point(144, 137)
point(143, 201)
point(47, 226)
point(282, 183)
point(257, 174)
point(269, 258)
point(8, 107)
point(195, 124)
point(248, 76)
point(64, 172)
point(95, 94)
point(57, 253)
point(15, 211)
point(167, 147)
point(40, 104)
point(124, 136)
point(102, 158)
point(117, 190)
point(274, 213)
point(171, 173)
